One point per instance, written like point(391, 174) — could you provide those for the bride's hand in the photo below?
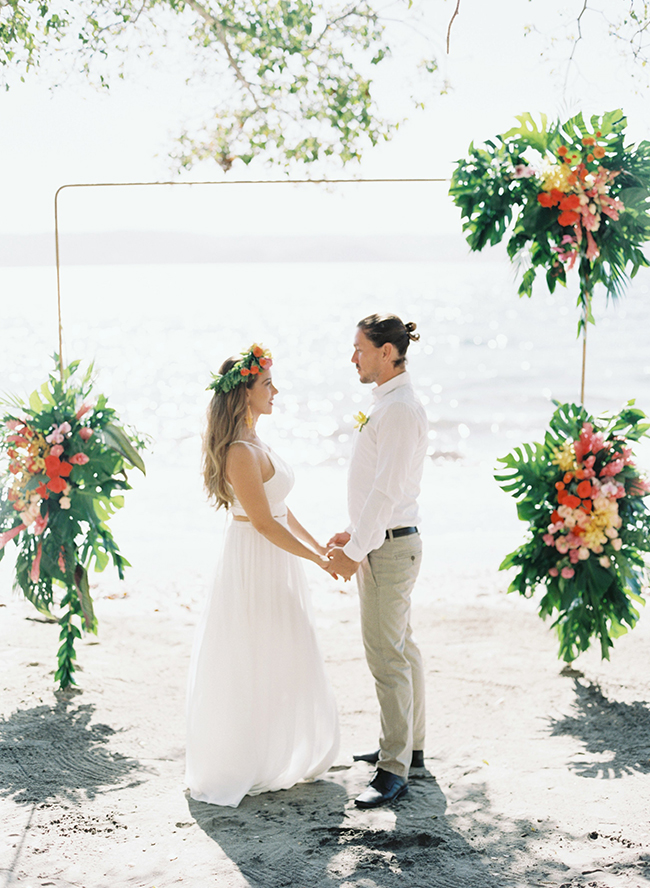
point(324, 562)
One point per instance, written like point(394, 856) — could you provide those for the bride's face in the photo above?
point(260, 396)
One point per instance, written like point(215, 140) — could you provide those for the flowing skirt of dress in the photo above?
point(261, 714)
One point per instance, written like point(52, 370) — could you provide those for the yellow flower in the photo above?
point(565, 457)
point(360, 419)
point(556, 176)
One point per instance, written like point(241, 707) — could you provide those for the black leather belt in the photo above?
point(400, 532)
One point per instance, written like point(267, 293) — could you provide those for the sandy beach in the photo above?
point(534, 775)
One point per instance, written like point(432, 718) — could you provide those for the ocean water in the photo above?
point(487, 367)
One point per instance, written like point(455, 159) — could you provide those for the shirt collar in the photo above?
point(391, 385)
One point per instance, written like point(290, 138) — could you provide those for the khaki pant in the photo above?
point(386, 579)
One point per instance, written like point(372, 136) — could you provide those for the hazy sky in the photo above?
point(77, 134)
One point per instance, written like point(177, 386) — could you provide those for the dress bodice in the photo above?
point(276, 488)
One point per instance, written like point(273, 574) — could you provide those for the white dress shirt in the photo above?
point(386, 467)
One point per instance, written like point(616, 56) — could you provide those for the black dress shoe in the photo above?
point(384, 787)
point(417, 759)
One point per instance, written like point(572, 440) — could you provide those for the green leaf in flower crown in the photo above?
point(529, 132)
point(116, 438)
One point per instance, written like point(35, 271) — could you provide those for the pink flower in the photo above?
point(562, 545)
point(568, 572)
point(522, 171)
point(616, 544)
point(604, 561)
point(56, 436)
point(553, 571)
point(40, 523)
point(56, 450)
point(64, 502)
point(548, 539)
point(86, 433)
point(79, 459)
point(583, 553)
point(574, 556)
point(85, 408)
point(612, 468)
point(13, 424)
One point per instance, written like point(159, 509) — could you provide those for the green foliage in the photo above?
point(294, 76)
point(498, 188)
point(595, 595)
point(67, 459)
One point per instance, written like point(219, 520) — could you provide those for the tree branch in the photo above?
point(456, 12)
point(220, 31)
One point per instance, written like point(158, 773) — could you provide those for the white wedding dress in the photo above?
point(260, 711)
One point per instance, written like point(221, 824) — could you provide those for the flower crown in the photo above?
point(252, 363)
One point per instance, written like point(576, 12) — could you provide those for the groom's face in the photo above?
point(367, 358)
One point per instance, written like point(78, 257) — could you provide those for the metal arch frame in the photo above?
point(153, 184)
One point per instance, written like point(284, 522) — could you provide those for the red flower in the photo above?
point(545, 199)
point(571, 501)
point(584, 489)
point(79, 459)
point(570, 202)
point(55, 468)
point(245, 371)
point(568, 477)
point(555, 517)
point(255, 369)
point(569, 217)
point(586, 506)
point(258, 352)
point(559, 485)
point(42, 491)
point(57, 485)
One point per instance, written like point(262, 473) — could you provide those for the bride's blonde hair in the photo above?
point(226, 417)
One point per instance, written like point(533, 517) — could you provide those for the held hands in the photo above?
point(339, 563)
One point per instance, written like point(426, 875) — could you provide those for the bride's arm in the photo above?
point(245, 478)
point(303, 534)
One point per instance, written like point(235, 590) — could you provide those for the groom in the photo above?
point(383, 545)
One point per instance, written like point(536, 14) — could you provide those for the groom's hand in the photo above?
point(339, 539)
point(340, 563)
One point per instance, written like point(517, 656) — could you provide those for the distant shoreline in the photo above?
point(182, 248)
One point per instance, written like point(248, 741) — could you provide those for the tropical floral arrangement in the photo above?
point(583, 498)
point(563, 195)
point(66, 456)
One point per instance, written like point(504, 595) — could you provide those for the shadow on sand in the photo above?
point(620, 731)
point(54, 753)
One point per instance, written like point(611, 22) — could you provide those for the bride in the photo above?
point(260, 712)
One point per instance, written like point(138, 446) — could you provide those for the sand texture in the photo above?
point(533, 777)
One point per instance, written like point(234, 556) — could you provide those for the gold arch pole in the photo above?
point(157, 184)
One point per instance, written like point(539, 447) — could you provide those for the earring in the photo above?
point(249, 417)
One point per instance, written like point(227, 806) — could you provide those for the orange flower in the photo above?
point(590, 157)
point(588, 140)
point(559, 485)
point(258, 352)
point(572, 501)
point(255, 369)
point(568, 476)
point(555, 517)
point(244, 371)
point(599, 152)
point(562, 150)
point(586, 506)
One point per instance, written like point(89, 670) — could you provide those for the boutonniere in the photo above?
point(360, 419)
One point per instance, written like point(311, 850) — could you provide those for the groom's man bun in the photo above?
point(384, 328)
